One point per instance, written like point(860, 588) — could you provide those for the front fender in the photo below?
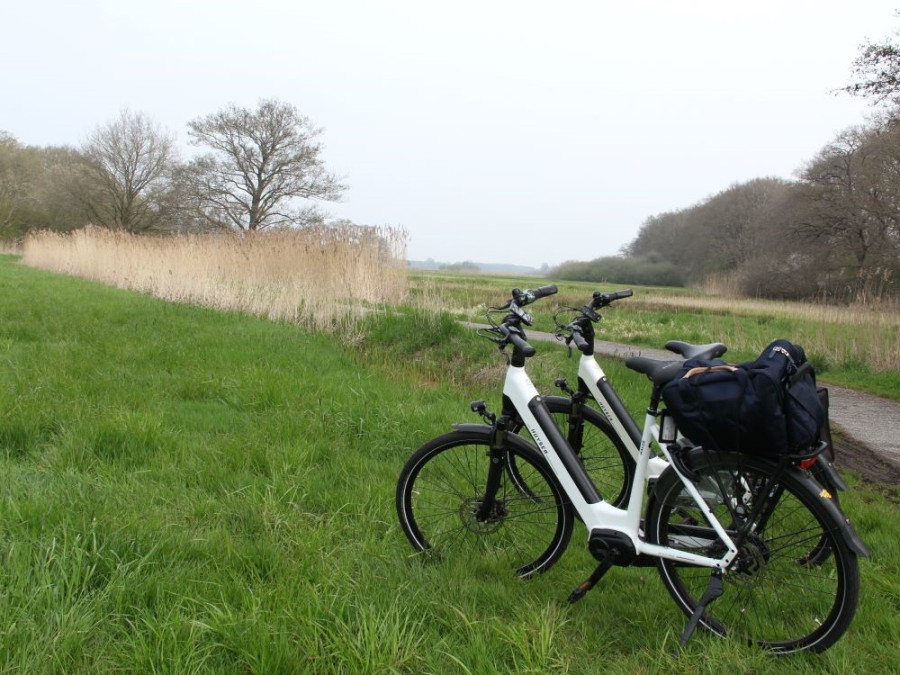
point(512, 439)
point(474, 428)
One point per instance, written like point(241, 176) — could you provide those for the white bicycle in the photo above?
point(738, 540)
point(607, 440)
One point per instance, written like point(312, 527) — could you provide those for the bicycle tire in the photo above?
point(442, 485)
point(775, 596)
point(602, 453)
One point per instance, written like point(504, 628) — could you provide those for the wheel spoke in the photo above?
point(440, 501)
point(774, 595)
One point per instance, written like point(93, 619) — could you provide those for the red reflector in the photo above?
point(806, 463)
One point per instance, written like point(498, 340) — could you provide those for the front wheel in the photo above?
point(775, 595)
point(446, 509)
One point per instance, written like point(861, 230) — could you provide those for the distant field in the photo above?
point(857, 346)
point(194, 491)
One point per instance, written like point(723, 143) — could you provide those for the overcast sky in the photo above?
point(499, 131)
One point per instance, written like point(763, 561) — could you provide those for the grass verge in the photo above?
point(853, 346)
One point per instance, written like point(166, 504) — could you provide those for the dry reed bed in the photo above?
point(323, 278)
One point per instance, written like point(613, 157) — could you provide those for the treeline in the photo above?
point(833, 233)
point(257, 168)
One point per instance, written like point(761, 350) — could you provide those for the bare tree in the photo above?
point(129, 163)
point(10, 181)
point(876, 72)
point(21, 174)
point(262, 162)
point(854, 197)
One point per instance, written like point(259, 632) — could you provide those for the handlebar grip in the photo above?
point(526, 297)
point(544, 291)
point(583, 346)
point(604, 299)
point(518, 341)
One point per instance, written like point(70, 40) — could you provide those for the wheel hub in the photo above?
point(751, 561)
point(468, 513)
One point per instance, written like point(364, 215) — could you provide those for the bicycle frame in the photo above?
point(520, 393)
point(593, 380)
point(713, 521)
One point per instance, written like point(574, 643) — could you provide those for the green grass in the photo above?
point(189, 491)
point(843, 347)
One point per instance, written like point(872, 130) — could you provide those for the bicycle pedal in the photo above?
point(562, 383)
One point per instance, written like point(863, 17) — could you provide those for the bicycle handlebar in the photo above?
point(575, 331)
point(604, 299)
point(509, 330)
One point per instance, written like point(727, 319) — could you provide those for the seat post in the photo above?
point(655, 395)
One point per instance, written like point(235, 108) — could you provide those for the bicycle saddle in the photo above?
point(659, 372)
point(713, 350)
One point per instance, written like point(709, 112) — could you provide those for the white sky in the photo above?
point(498, 131)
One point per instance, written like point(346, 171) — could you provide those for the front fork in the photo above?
point(497, 458)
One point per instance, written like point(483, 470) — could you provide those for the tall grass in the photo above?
point(862, 333)
point(319, 277)
point(857, 336)
point(856, 345)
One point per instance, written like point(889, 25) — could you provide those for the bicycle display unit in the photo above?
point(747, 546)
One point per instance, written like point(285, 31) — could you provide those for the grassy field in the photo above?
point(855, 346)
point(186, 490)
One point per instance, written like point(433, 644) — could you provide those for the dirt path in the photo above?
point(871, 426)
point(868, 427)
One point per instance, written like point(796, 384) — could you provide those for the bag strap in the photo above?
point(699, 370)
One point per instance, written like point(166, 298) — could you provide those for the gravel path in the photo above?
point(870, 442)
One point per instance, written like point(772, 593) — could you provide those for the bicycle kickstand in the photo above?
point(579, 592)
point(713, 591)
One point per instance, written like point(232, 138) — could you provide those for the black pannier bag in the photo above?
point(768, 406)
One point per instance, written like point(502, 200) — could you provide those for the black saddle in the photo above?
point(711, 351)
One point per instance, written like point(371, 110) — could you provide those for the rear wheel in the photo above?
point(775, 594)
point(441, 504)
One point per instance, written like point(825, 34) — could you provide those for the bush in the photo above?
point(788, 278)
point(648, 270)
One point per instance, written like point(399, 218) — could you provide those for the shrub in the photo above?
point(649, 270)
